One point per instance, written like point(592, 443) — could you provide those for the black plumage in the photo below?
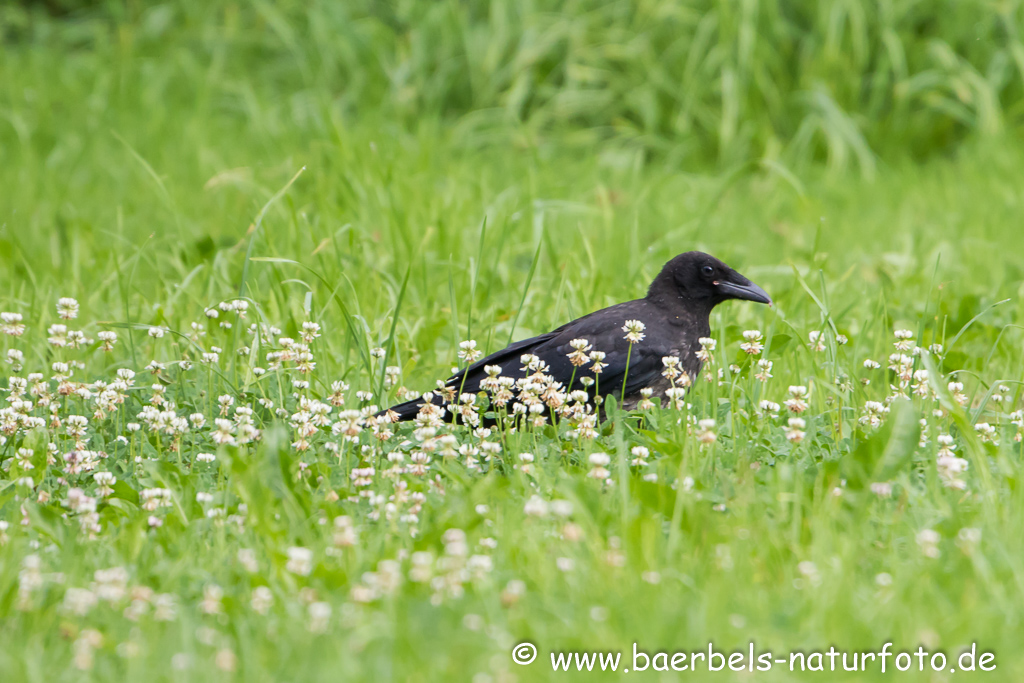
point(675, 313)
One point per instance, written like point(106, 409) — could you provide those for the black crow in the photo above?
point(675, 315)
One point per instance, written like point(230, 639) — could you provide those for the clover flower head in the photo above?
point(706, 431)
point(580, 348)
point(707, 345)
point(795, 432)
point(634, 330)
point(67, 308)
point(11, 324)
point(468, 351)
point(752, 342)
point(904, 340)
point(797, 401)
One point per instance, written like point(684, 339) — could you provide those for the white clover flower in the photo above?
point(706, 431)
point(262, 600)
point(795, 433)
point(987, 433)
point(645, 402)
point(882, 489)
point(1017, 420)
point(950, 467)
point(580, 349)
point(672, 367)
point(300, 561)
point(154, 498)
point(921, 386)
point(57, 335)
point(105, 483)
point(707, 345)
point(904, 340)
point(640, 455)
point(226, 660)
point(107, 339)
point(928, 540)
point(311, 331)
point(561, 508)
point(67, 308)
point(514, 590)
point(319, 617)
point(16, 358)
point(797, 401)
point(968, 539)
point(752, 343)
point(11, 324)
point(810, 572)
point(468, 351)
point(24, 458)
point(957, 390)
point(536, 507)
point(480, 566)
point(79, 601)
point(634, 330)
point(874, 413)
point(75, 426)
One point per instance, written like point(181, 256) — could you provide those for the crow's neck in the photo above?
point(664, 294)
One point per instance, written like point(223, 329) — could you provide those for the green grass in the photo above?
point(693, 82)
point(136, 163)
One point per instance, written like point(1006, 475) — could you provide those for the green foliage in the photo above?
point(842, 80)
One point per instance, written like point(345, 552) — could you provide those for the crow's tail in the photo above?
point(407, 410)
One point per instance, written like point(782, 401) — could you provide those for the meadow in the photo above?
point(228, 232)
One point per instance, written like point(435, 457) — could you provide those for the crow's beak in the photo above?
point(747, 291)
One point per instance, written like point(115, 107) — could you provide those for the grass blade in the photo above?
point(526, 289)
point(390, 343)
point(256, 228)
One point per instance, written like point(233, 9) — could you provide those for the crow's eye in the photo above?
point(708, 271)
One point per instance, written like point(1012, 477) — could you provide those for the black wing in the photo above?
point(468, 379)
point(602, 329)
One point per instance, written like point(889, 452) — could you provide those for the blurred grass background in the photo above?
point(691, 82)
point(709, 81)
point(141, 137)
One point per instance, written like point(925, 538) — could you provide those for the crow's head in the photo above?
point(701, 278)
